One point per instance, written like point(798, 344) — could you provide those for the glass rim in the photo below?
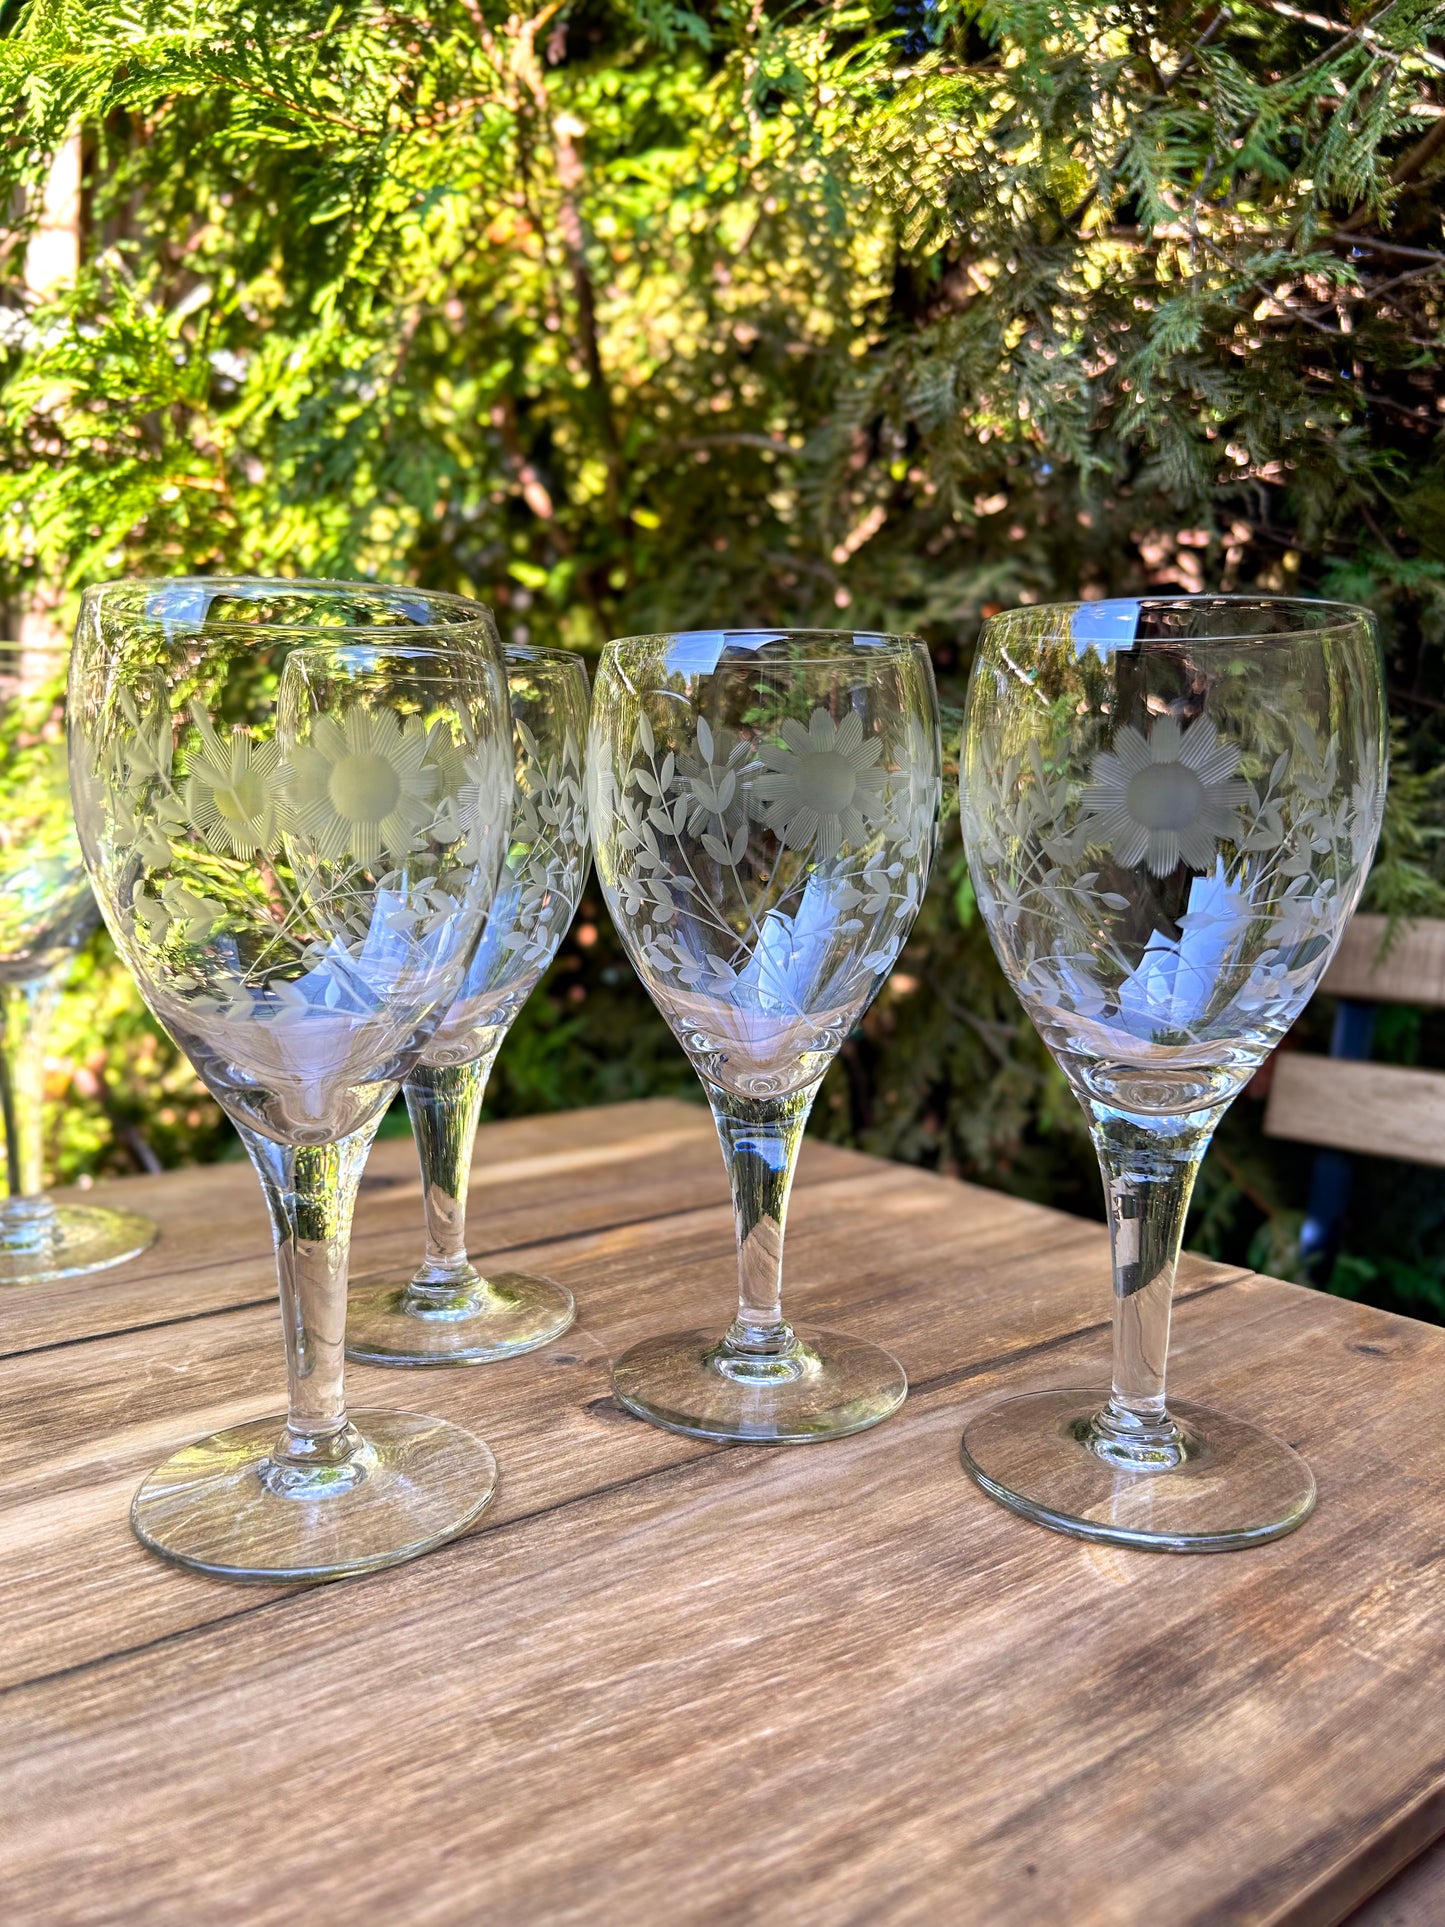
point(1334, 615)
point(540, 652)
point(474, 614)
point(879, 642)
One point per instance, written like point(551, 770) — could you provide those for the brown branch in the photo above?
point(743, 438)
point(1386, 247)
point(1345, 32)
point(291, 106)
point(569, 221)
point(533, 489)
point(1242, 1184)
point(1419, 156)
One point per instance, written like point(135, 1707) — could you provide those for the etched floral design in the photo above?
point(712, 781)
point(230, 794)
point(1274, 861)
point(468, 800)
point(368, 787)
point(762, 947)
point(363, 786)
point(1167, 797)
point(547, 856)
point(820, 786)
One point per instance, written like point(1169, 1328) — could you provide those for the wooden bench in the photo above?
point(1344, 1103)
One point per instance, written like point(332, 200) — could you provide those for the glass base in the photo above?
point(507, 1312)
point(40, 1241)
point(827, 1387)
point(224, 1506)
point(1228, 1485)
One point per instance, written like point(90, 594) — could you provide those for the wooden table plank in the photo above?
point(1414, 1898)
point(583, 1170)
point(665, 1680)
point(835, 1685)
point(85, 1587)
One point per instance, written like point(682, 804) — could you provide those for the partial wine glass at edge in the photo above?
point(764, 808)
point(46, 914)
point(293, 800)
point(1170, 808)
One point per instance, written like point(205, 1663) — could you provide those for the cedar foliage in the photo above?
point(627, 314)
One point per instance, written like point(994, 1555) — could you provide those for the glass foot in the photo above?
point(390, 1323)
point(40, 1241)
point(829, 1386)
point(1229, 1485)
point(220, 1506)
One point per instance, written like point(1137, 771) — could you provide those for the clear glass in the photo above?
point(293, 801)
point(46, 914)
point(447, 1312)
point(1170, 807)
point(764, 809)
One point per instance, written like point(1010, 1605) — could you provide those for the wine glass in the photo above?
point(46, 914)
point(1170, 806)
point(293, 799)
point(448, 1313)
point(764, 808)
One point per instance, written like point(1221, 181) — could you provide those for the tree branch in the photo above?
point(1345, 32)
point(1419, 156)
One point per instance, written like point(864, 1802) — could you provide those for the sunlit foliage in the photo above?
point(631, 315)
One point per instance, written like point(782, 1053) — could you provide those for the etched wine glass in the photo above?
point(293, 800)
point(46, 914)
point(764, 807)
point(1170, 806)
point(448, 1313)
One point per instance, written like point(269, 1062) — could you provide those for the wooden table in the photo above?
point(667, 1682)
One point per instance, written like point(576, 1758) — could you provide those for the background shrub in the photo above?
point(626, 316)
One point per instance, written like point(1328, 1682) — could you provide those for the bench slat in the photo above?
point(1413, 972)
point(1382, 1110)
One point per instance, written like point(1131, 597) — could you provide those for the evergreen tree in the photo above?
point(627, 314)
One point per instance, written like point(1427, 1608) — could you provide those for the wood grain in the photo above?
point(131, 1398)
point(666, 1681)
point(1381, 1110)
point(577, 1171)
point(1414, 1898)
point(1410, 971)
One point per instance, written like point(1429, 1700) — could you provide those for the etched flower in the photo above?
point(362, 786)
point(471, 792)
point(230, 795)
point(821, 785)
point(1167, 797)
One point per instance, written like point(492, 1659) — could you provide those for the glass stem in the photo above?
point(1149, 1167)
point(760, 1138)
point(26, 1010)
point(311, 1191)
point(445, 1102)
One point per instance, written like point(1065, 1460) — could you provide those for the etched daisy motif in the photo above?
point(471, 797)
point(362, 786)
point(821, 784)
point(230, 792)
point(1167, 797)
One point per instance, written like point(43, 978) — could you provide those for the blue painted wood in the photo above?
point(1333, 1174)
